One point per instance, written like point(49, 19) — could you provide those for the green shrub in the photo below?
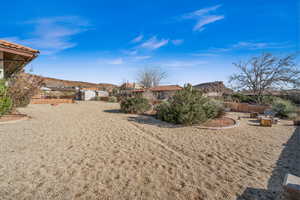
point(282, 108)
point(112, 99)
point(241, 98)
point(135, 105)
point(188, 107)
point(214, 108)
point(294, 116)
point(5, 100)
point(269, 100)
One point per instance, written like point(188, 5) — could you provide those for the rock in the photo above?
point(291, 187)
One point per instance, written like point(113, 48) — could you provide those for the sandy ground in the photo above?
point(90, 151)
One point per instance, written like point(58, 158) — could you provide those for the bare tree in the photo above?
point(150, 77)
point(266, 72)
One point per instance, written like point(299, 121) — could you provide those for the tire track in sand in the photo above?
point(150, 137)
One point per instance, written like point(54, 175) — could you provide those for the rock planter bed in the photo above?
point(220, 123)
point(11, 118)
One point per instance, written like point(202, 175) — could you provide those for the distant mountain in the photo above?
point(59, 83)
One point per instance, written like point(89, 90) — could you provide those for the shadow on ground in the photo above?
point(150, 120)
point(288, 162)
point(112, 111)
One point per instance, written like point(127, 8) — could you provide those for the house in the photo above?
point(213, 89)
point(126, 88)
point(92, 93)
point(159, 92)
point(14, 57)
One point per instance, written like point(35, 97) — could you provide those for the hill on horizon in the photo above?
point(55, 82)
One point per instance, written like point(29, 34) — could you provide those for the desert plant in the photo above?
point(112, 99)
point(241, 98)
point(294, 116)
point(282, 108)
point(5, 100)
point(22, 87)
point(268, 99)
point(185, 107)
point(214, 108)
point(135, 105)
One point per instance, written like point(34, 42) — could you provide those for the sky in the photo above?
point(110, 41)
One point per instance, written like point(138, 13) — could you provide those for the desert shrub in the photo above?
point(22, 87)
point(135, 105)
point(97, 98)
point(185, 107)
point(282, 108)
point(112, 99)
point(268, 99)
point(214, 108)
point(294, 116)
point(241, 98)
point(5, 100)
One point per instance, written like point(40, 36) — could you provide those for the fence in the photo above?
point(51, 101)
point(245, 107)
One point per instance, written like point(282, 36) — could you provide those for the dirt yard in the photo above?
point(90, 151)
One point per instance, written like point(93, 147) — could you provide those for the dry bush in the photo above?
point(22, 87)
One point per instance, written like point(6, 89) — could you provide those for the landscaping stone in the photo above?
point(291, 186)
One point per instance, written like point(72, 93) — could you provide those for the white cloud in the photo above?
point(141, 57)
point(203, 17)
point(137, 39)
point(177, 42)
point(51, 35)
point(154, 43)
point(202, 11)
point(130, 52)
point(117, 61)
point(251, 46)
point(181, 63)
point(206, 20)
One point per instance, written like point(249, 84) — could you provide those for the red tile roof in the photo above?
point(161, 88)
point(166, 88)
point(17, 47)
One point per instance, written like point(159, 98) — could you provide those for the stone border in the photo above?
point(236, 124)
point(15, 121)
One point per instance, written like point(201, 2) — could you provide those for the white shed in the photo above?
point(87, 95)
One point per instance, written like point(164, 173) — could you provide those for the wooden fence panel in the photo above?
point(245, 107)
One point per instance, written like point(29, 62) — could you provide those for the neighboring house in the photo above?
point(213, 89)
point(159, 92)
point(126, 88)
point(14, 57)
point(165, 91)
point(91, 93)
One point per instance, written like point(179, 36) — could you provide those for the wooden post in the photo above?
point(1, 65)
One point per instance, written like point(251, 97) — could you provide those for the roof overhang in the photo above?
point(16, 56)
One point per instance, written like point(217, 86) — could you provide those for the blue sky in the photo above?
point(110, 41)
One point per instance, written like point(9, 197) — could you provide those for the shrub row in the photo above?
point(137, 105)
point(187, 107)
